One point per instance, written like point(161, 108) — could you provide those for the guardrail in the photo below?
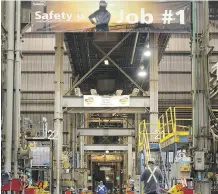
point(169, 125)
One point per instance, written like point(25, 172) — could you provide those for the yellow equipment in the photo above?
point(176, 189)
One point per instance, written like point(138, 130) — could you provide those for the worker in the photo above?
point(101, 189)
point(151, 177)
point(102, 17)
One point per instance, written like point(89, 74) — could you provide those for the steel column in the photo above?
point(9, 85)
point(82, 143)
point(17, 85)
point(58, 113)
point(135, 43)
point(130, 145)
point(130, 160)
point(153, 85)
point(201, 128)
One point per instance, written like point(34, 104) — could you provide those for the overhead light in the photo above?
point(142, 72)
point(135, 91)
point(94, 92)
point(107, 152)
point(119, 92)
point(106, 62)
point(107, 178)
point(147, 46)
point(147, 53)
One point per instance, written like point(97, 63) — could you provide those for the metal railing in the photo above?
point(172, 125)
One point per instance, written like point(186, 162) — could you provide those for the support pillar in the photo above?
point(200, 87)
point(9, 85)
point(17, 85)
point(130, 156)
point(137, 157)
point(58, 112)
point(153, 44)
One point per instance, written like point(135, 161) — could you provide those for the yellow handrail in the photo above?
point(169, 125)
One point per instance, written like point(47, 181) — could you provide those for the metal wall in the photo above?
point(175, 66)
point(38, 71)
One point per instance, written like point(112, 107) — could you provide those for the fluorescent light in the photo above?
point(147, 53)
point(106, 62)
point(142, 73)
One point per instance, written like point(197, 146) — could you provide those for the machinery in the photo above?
point(181, 171)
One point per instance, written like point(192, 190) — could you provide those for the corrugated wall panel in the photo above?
point(42, 82)
point(33, 107)
point(214, 41)
point(175, 63)
point(174, 82)
point(175, 96)
point(179, 42)
point(37, 96)
point(42, 63)
point(39, 42)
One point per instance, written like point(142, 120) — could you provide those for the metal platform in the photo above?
point(105, 132)
point(75, 104)
point(109, 147)
point(174, 143)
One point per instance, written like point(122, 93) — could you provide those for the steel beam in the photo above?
point(137, 105)
point(105, 132)
point(107, 110)
point(104, 147)
point(118, 67)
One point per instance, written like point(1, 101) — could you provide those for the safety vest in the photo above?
point(152, 174)
point(101, 189)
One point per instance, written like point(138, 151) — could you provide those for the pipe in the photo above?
point(17, 85)
point(9, 94)
point(58, 113)
point(133, 52)
point(194, 75)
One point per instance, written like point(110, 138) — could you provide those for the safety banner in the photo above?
point(106, 101)
point(113, 16)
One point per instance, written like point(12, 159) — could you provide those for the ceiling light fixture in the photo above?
point(106, 62)
point(142, 72)
point(147, 53)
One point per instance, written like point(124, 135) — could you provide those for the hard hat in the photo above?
point(103, 3)
point(152, 160)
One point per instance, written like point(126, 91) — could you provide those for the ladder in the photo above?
point(147, 153)
point(163, 169)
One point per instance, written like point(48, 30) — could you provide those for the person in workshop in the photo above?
point(151, 177)
point(101, 189)
point(102, 18)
